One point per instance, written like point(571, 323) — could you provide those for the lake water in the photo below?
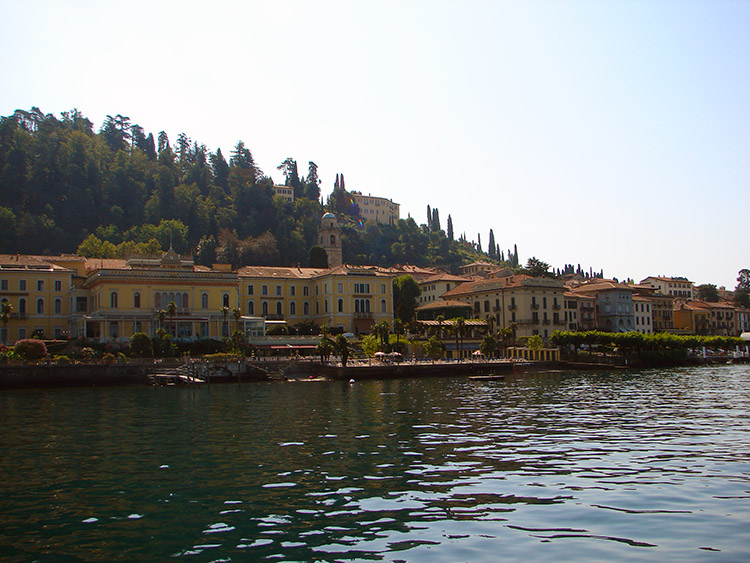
point(647, 465)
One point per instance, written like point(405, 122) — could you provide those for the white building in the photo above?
point(378, 209)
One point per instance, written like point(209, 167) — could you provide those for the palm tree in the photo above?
point(513, 326)
point(440, 320)
point(5, 312)
point(398, 328)
point(490, 323)
point(161, 314)
point(342, 345)
point(237, 314)
point(459, 324)
point(225, 314)
point(172, 311)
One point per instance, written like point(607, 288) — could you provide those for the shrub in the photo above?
point(30, 349)
point(87, 354)
point(141, 346)
point(108, 358)
point(62, 360)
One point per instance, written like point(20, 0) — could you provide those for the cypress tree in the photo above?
point(491, 249)
point(450, 228)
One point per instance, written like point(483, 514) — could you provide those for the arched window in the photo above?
point(367, 305)
point(305, 308)
point(40, 306)
point(250, 308)
point(185, 302)
point(264, 308)
point(341, 305)
point(325, 305)
point(204, 300)
point(333, 240)
point(225, 300)
point(137, 300)
point(356, 305)
point(22, 306)
point(317, 307)
point(292, 308)
point(278, 307)
point(164, 299)
point(58, 306)
point(383, 306)
point(157, 300)
point(113, 300)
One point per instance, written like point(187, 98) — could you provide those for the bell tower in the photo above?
point(329, 237)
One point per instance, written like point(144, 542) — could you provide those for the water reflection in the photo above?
point(618, 465)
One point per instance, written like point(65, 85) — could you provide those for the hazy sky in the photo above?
point(614, 134)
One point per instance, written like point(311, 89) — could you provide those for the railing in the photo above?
point(535, 305)
point(555, 307)
point(274, 317)
point(512, 307)
point(363, 315)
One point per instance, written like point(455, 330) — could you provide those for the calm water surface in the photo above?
point(650, 465)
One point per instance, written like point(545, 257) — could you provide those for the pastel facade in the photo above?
point(675, 287)
point(615, 311)
point(643, 314)
point(534, 305)
point(285, 192)
point(38, 293)
point(433, 288)
point(378, 209)
point(349, 298)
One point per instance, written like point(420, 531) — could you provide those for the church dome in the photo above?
point(329, 215)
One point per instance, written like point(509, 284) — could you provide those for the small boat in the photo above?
point(491, 377)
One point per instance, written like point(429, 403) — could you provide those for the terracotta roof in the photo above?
point(448, 322)
point(278, 272)
point(520, 280)
point(443, 305)
point(603, 285)
point(28, 262)
point(445, 277)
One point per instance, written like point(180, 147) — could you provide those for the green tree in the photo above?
point(342, 347)
point(488, 345)
point(536, 268)
point(317, 258)
point(459, 327)
point(535, 342)
point(433, 347)
point(5, 310)
point(405, 297)
point(172, 311)
point(708, 292)
point(141, 345)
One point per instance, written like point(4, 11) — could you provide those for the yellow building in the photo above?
point(533, 305)
point(37, 293)
point(122, 297)
point(347, 298)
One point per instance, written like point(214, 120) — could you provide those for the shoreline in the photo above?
point(200, 373)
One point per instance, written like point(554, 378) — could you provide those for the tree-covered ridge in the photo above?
point(65, 187)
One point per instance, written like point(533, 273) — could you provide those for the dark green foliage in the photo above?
point(141, 346)
point(317, 258)
point(405, 298)
point(30, 349)
point(708, 292)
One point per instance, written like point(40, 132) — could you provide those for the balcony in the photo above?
point(535, 305)
point(363, 315)
point(274, 317)
point(512, 307)
point(546, 321)
point(555, 307)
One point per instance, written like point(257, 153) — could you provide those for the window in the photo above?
point(325, 305)
point(361, 288)
point(535, 317)
point(305, 308)
point(22, 285)
point(113, 300)
point(383, 306)
point(137, 326)
point(40, 306)
point(340, 287)
point(278, 290)
point(382, 288)
point(305, 291)
point(21, 333)
point(40, 285)
point(58, 285)
point(544, 302)
point(317, 308)
point(278, 308)
point(250, 290)
point(81, 304)
point(341, 305)
point(264, 290)
point(292, 308)
point(264, 308)
point(292, 291)
point(486, 306)
point(58, 306)
point(225, 300)
point(137, 300)
point(3, 285)
point(250, 308)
